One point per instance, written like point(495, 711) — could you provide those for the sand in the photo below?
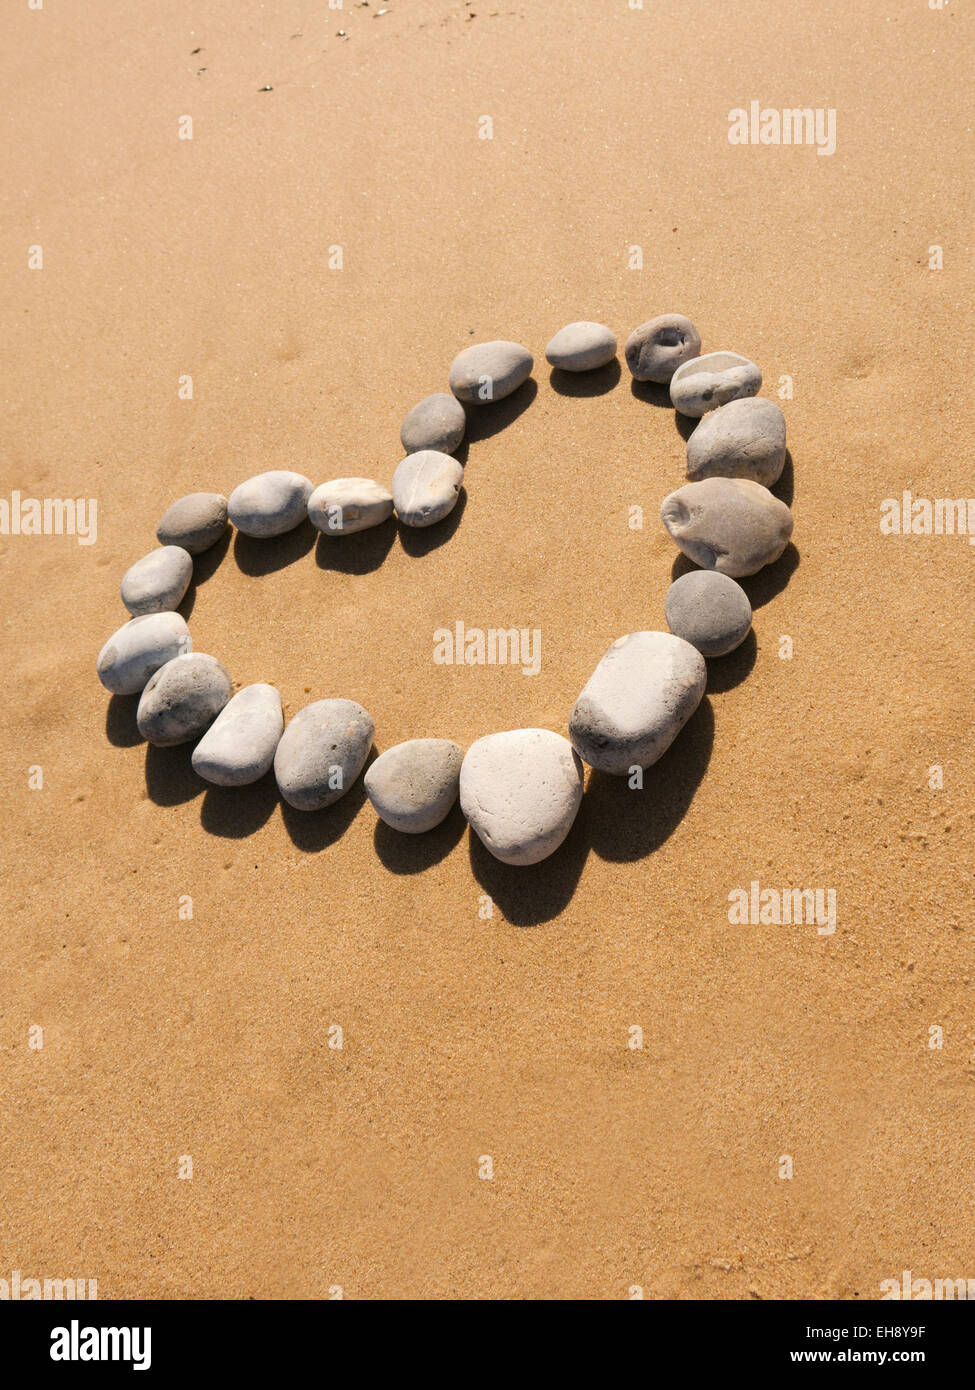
point(317, 1168)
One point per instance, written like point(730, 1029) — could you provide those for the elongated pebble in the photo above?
point(347, 505)
point(139, 648)
point(182, 699)
point(731, 525)
point(707, 382)
point(270, 504)
point(709, 610)
point(489, 371)
point(194, 522)
point(157, 582)
point(322, 752)
point(520, 791)
point(658, 347)
point(743, 439)
point(413, 785)
point(581, 347)
point(437, 422)
point(238, 748)
point(426, 487)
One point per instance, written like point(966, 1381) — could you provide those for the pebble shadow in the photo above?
point(653, 393)
point(236, 812)
point(421, 540)
point(533, 894)
point(120, 726)
point(259, 557)
point(761, 588)
point(360, 553)
point(594, 383)
point(205, 567)
point(411, 854)
point(489, 419)
point(170, 779)
point(725, 672)
point(311, 831)
point(785, 488)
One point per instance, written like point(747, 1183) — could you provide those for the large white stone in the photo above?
point(520, 791)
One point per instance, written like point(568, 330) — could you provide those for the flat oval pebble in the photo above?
point(426, 487)
point(712, 381)
point(636, 701)
point(347, 505)
point(157, 582)
point(270, 504)
point(709, 610)
point(322, 752)
point(489, 371)
point(194, 522)
point(744, 439)
point(182, 699)
point(731, 525)
point(413, 785)
point(520, 791)
point(437, 422)
point(658, 347)
point(138, 649)
point(238, 748)
point(581, 347)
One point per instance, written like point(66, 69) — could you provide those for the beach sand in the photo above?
point(317, 1168)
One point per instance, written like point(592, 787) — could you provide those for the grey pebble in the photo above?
point(489, 371)
point(712, 381)
point(322, 752)
point(346, 505)
point(269, 504)
point(520, 791)
point(413, 785)
point(657, 348)
point(238, 748)
point(731, 525)
point(709, 610)
point(437, 422)
point(426, 486)
point(182, 699)
point(157, 582)
point(139, 648)
point(743, 439)
point(194, 522)
point(581, 347)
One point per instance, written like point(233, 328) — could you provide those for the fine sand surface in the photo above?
point(316, 1168)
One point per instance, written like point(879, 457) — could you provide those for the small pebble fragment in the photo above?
point(140, 647)
point(713, 380)
point(489, 371)
point(709, 610)
point(731, 525)
point(157, 582)
point(238, 748)
point(413, 785)
point(182, 699)
point(636, 701)
point(270, 504)
point(657, 348)
point(347, 505)
point(744, 439)
point(437, 422)
point(322, 752)
point(581, 347)
point(194, 522)
point(520, 791)
point(426, 486)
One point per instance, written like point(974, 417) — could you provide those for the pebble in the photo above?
point(157, 582)
point(636, 701)
point(657, 348)
point(581, 347)
point(744, 439)
point(270, 504)
point(238, 748)
point(347, 505)
point(438, 422)
point(731, 525)
point(489, 371)
point(322, 752)
point(426, 486)
point(182, 699)
point(413, 786)
point(194, 522)
point(709, 610)
point(138, 649)
point(712, 381)
point(520, 791)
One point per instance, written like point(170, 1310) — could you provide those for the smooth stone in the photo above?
point(138, 649)
point(413, 785)
point(157, 582)
point(194, 522)
point(438, 422)
point(520, 791)
point(709, 610)
point(731, 525)
point(636, 701)
point(182, 699)
point(426, 487)
point(712, 381)
point(489, 371)
point(658, 347)
point(347, 505)
point(238, 748)
point(744, 439)
point(322, 752)
point(581, 347)
point(270, 504)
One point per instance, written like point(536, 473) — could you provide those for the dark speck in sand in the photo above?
point(265, 89)
point(195, 50)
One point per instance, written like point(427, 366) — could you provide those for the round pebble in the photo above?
point(712, 381)
point(194, 522)
point(636, 701)
point(438, 422)
point(581, 347)
point(322, 752)
point(413, 785)
point(238, 748)
point(520, 791)
point(731, 525)
point(347, 505)
point(657, 348)
point(157, 582)
point(489, 371)
point(426, 486)
point(139, 648)
point(709, 610)
point(182, 699)
point(744, 439)
point(270, 504)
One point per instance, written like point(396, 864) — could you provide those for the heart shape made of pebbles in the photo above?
point(519, 789)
